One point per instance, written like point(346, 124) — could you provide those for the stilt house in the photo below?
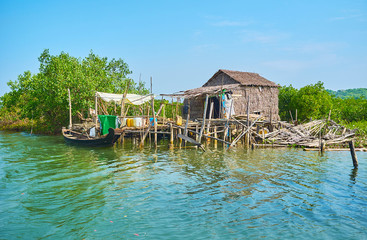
point(230, 92)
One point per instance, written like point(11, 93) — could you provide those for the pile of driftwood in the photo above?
point(310, 134)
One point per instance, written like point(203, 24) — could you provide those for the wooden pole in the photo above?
point(248, 122)
point(96, 109)
point(70, 118)
point(187, 122)
point(154, 115)
point(216, 136)
point(197, 130)
point(123, 98)
point(180, 139)
point(296, 116)
point(353, 153)
point(204, 116)
point(290, 113)
point(210, 116)
point(322, 146)
point(171, 132)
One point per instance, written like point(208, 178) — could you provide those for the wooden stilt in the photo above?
point(171, 136)
point(180, 140)
point(353, 153)
point(216, 136)
point(248, 122)
point(197, 130)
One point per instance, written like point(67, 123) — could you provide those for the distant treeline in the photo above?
point(349, 93)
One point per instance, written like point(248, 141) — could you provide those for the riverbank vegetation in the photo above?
point(40, 101)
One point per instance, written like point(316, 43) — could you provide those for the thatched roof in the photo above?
point(245, 78)
point(211, 90)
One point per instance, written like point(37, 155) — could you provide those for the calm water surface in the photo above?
point(49, 190)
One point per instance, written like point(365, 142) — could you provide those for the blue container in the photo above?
point(151, 120)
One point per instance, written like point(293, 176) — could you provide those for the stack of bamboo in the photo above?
point(311, 134)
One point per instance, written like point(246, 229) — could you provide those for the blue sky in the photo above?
point(181, 44)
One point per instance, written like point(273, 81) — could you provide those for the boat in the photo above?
point(79, 139)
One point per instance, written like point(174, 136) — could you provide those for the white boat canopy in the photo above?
point(134, 99)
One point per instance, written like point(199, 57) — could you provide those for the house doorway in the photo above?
point(216, 107)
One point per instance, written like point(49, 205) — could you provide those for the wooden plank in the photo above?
point(190, 140)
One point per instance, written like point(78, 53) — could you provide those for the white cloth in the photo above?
point(92, 132)
point(229, 106)
point(134, 99)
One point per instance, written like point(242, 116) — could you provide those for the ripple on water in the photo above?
point(51, 190)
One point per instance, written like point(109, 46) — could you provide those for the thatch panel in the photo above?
point(244, 78)
point(219, 80)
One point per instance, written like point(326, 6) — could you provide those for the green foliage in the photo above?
point(311, 101)
point(44, 96)
point(349, 93)
point(314, 101)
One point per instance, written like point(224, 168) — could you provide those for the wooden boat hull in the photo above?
point(78, 140)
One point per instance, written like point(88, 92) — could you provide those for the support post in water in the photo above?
point(171, 132)
point(322, 146)
point(353, 153)
point(248, 122)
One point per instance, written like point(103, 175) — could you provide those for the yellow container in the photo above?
point(130, 122)
point(179, 120)
point(266, 131)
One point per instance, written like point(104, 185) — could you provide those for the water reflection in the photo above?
point(353, 175)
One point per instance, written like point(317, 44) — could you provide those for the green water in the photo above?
point(49, 190)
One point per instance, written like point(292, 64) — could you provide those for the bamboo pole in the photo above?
point(290, 113)
point(70, 117)
point(204, 116)
point(248, 122)
point(154, 115)
point(171, 132)
point(187, 122)
point(123, 98)
point(96, 109)
point(210, 116)
point(180, 139)
point(216, 136)
point(296, 115)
